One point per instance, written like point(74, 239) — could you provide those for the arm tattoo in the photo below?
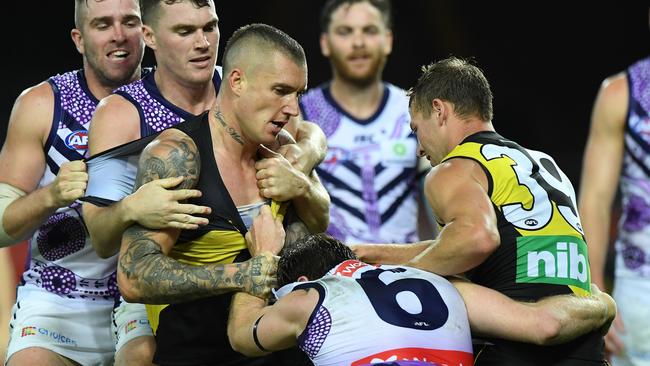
point(159, 279)
point(172, 158)
point(163, 280)
point(231, 131)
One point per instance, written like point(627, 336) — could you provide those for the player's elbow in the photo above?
point(486, 240)
point(235, 344)
point(128, 288)
point(239, 344)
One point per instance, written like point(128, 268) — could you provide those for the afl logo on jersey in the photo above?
point(77, 140)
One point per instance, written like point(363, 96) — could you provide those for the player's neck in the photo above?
point(101, 89)
point(227, 138)
point(361, 101)
point(194, 98)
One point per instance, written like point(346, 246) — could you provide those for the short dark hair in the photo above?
point(312, 256)
point(80, 11)
point(265, 36)
point(456, 81)
point(149, 8)
point(331, 5)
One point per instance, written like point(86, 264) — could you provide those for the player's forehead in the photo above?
point(111, 9)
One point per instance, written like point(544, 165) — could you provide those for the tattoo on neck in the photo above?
point(231, 131)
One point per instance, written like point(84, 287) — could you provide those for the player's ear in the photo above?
point(303, 279)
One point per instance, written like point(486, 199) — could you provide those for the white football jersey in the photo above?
point(369, 314)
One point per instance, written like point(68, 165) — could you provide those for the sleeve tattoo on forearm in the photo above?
point(161, 279)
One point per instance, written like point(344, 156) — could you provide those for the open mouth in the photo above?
point(119, 54)
point(279, 124)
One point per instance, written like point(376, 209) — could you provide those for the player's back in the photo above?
point(368, 314)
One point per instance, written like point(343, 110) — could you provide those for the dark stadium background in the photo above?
point(545, 60)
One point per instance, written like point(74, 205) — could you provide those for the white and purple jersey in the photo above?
point(61, 259)
point(370, 170)
point(113, 179)
point(392, 315)
point(633, 242)
point(156, 112)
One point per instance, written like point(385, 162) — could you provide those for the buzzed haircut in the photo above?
point(456, 81)
point(312, 256)
point(261, 38)
point(80, 11)
point(331, 6)
point(150, 8)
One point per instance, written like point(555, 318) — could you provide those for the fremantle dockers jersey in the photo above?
point(370, 314)
point(542, 250)
point(62, 260)
point(156, 112)
point(370, 168)
point(633, 242)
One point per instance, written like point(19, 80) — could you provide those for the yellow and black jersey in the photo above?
point(542, 251)
point(195, 332)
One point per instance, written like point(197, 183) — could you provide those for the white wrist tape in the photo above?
point(8, 194)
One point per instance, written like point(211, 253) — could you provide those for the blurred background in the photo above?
point(545, 60)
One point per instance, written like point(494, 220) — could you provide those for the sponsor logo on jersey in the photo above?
point(348, 267)
point(77, 140)
point(56, 336)
point(130, 326)
point(419, 356)
point(557, 260)
point(28, 331)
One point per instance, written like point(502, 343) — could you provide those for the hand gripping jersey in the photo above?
point(192, 332)
point(156, 114)
point(542, 250)
point(633, 242)
point(62, 260)
point(370, 168)
point(393, 314)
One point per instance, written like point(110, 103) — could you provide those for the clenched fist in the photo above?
point(69, 185)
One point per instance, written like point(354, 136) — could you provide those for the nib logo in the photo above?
point(558, 260)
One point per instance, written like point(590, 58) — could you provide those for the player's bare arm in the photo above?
point(154, 205)
point(278, 326)
point(22, 162)
point(601, 168)
point(552, 320)
point(457, 193)
point(145, 272)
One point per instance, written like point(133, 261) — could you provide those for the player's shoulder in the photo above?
point(35, 99)
point(614, 85)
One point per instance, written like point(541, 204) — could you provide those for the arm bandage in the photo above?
point(8, 194)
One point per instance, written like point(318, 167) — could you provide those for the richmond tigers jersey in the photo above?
point(632, 244)
point(190, 332)
point(371, 314)
point(542, 250)
point(370, 168)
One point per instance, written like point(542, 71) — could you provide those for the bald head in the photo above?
point(255, 43)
